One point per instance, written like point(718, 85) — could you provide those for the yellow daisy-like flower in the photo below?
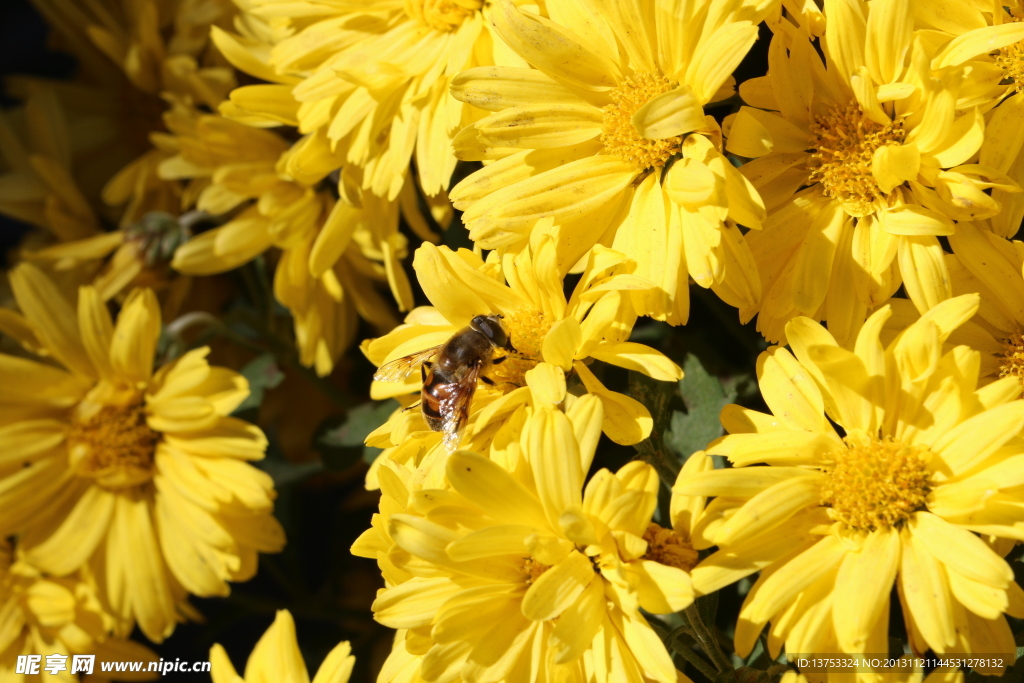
point(141, 476)
point(834, 519)
point(329, 247)
point(276, 657)
point(518, 570)
point(37, 175)
point(370, 78)
point(552, 337)
point(990, 266)
point(63, 616)
point(133, 53)
point(607, 136)
point(883, 147)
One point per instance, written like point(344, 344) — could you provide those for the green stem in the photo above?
point(707, 639)
point(698, 663)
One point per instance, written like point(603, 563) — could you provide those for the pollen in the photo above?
point(877, 484)
point(443, 15)
point(666, 547)
point(533, 569)
point(621, 138)
point(1012, 364)
point(1011, 58)
point(113, 445)
point(526, 330)
point(844, 141)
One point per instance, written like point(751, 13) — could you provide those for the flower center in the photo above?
point(666, 547)
point(1011, 58)
point(844, 142)
point(533, 569)
point(113, 444)
point(443, 15)
point(877, 483)
point(1013, 357)
point(526, 330)
point(620, 137)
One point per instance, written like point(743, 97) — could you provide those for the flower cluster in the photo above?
point(507, 202)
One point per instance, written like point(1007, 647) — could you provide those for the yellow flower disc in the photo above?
point(666, 547)
point(620, 137)
point(113, 444)
point(844, 142)
point(877, 484)
point(443, 15)
point(1013, 357)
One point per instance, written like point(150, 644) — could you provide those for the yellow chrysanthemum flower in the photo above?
point(276, 657)
point(142, 476)
point(371, 79)
point(44, 615)
point(884, 148)
point(161, 47)
point(607, 136)
point(990, 41)
point(990, 266)
point(545, 329)
point(518, 570)
point(331, 252)
point(834, 518)
point(37, 175)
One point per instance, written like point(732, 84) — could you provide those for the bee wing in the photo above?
point(397, 370)
point(455, 409)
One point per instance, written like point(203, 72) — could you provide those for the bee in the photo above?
point(450, 379)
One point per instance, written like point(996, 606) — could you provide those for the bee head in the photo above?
point(490, 326)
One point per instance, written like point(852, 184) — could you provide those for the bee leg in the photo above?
point(412, 407)
point(487, 380)
point(499, 361)
point(424, 369)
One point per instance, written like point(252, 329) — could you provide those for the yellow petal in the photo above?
point(769, 508)
point(562, 342)
point(973, 440)
point(97, 330)
point(134, 553)
point(638, 357)
point(961, 550)
point(337, 666)
point(52, 317)
point(546, 383)
point(908, 219)
point(662, 589)
point(924, 270)
point(485, 483)
point(133, 346)
point(845, 48)
point(68, 547)
point(558, 587)
point(575, 629)
point(552, 49)
point(669, 114)
point(977, 42)
point(925, 592)
point(626, 420)
point(889, 30)
point(494, 88)
point(862, 588)
point(551, 449)
point(892, 165)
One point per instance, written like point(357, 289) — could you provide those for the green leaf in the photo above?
point(704, 397)
point(341, 445)
point(262, 374)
